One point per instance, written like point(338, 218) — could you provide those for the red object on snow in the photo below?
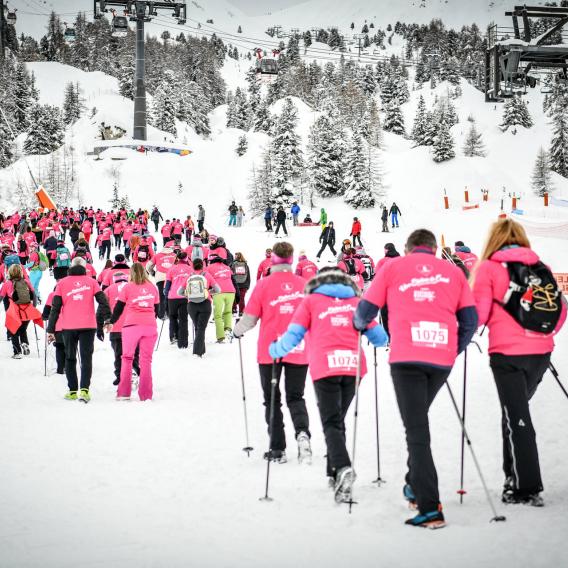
point(18, 313)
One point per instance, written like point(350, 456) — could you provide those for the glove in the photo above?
point(276, 351)
point(100, 335)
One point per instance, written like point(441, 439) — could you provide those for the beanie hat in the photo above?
point(119, 258)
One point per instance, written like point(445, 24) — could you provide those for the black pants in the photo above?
point(59, 353)
point(416, 387)
point(156, 223)
point(117, 241)
point(268, 224)
point(517, 378)
point(326, 244)
point(85, 340)
point(200, 314)
point(334, 396)
point(281, 224)
point(116, 343)
point(126, 250)
point(294, 384)
point(177, 312)
point(188, 233)
point(200, 225)
point(20, 337)
point(105, 249)
point(357, 238)
point(163, 300)
point(385, 225)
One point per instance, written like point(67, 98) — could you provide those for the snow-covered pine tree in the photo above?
point(357, 189)
point(242, 145)
point(21, 94)
point(474, 146)
point(242, 115)
point(230, 110)
point(71, 104)
point(194, 107)
point(559, 142)
point(371, 125)
point(394, 120)
point(541, 180)
point(420, 124)
point(368, 81)
point(115, 199)
point(443, 147)
point(46, 133)
point(6, 144)
point(260, 185)
point(264, 121)
point(287, 152)
point(180, 187)
point(164, 108)
point(516, 113)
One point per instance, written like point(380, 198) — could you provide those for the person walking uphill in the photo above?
point(432, 318)
point(176, 281)
point(140, 301)
point(327, 239)
point(274, 301)
point(224, 299)
point(519, 352)
point(73, 306)
point(325, 315)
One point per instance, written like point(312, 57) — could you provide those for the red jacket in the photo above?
point(356, 228)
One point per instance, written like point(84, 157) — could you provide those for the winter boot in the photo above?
point(277, 456)
point(304, 448)
point(431, 520)
point(410, 497)
point(17, 356)
point(344, 480)
point(25, 349)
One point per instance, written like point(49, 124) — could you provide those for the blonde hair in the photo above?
point(138, 274)
point(504, 232)
point(15, 272)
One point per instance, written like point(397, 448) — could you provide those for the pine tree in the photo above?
point(541, 181)
point(242, 146)
point(21, 98)
point(238, 111)
point(261, 184)
point(47, 133)
point(180, 188)
point(559, 143)
point(420, 125)
point(6, 144)
point(474, 146)
point(115, 200)
point(516, 113)
point(443, 147)
point(358, 191)
point(71, 104)
point(164, 108)
point(264, 121)
point(371, 125)
point(394, 120)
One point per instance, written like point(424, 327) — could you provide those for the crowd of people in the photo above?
point(425, 308)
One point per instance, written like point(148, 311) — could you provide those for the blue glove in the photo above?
point(276, 351)
point(377, 336)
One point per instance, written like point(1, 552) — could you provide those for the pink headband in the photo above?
point(275, 259)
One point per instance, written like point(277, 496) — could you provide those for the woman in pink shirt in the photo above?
point(140, 300)
point(518, 356)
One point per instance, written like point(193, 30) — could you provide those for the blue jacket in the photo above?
point(268, 213)
point(295, 209)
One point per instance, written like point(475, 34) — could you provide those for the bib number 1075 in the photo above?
point(429, 334)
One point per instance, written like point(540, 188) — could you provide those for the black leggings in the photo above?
point(177, 312)
point(200, 314)
point(84, 339)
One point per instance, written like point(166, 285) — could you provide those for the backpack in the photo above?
point(10, 260)
point(143, 253)
point(62, 258)
point(196, 289)
point(196, 252)
point(240, 271)
point(533, 298)
point(22, 293)
point(43, 261)
point(369, 269)
point(350, 265)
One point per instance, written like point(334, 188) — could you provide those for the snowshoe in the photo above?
point(173, 341)
point(304, 448)
point(71, 395)
point(84, 396)
point(432, 520)
point(513, 497)
point(344, 480)
point(25, 349)
point(410, 497)
point(229, 335)
point(277, 456)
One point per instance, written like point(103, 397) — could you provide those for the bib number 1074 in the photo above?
point(429, 334)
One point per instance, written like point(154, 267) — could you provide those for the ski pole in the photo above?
point(554, 372)
point(37, 341)
point(496, 517)
point(248, 448)
point(273, 383)
point(45, 356)
point(160, 336)
point(356, 413)
point(379, 481)
point(461, 491)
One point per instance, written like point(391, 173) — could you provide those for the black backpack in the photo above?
point(533, 298)
point(350, 265)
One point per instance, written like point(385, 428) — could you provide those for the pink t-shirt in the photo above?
point(306, 269)
point(78, 308)
point(178, 276)
point(140, 300)
point(331, 337)
point(423, 294)
point(274, 300)
point(112, 293)
point(222, 274)
point(164, 261)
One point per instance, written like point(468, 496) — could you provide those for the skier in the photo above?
point(280, 221)
point(264, 266)
point(295, 211)
point(233, 209)
point(268, 213)
point(327, 239)
point(197, 291)
point(274, 301)
point(356, 231)
point(323, 219)
point(518, 357)
point(305, 268)
point(325, 312)
point(156, 217)
point(140, 300)
point(176, 281)
point(200, 218)
point(426, 337)
point(394, 213)
point(224, 299)
point(469, 259)
point(385, 219)
point(73, 302)
point(241, 271)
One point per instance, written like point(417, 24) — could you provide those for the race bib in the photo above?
point(240, 270)
point(342, 359)
point(429, 334)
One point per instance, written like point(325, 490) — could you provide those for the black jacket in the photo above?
point(328, 236)
point(281, 216)
point(394, 209)
point(50, 244)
